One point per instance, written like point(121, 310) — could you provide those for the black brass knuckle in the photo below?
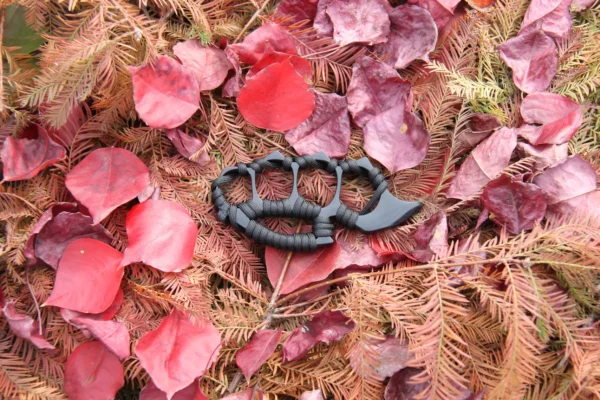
point(389, 211)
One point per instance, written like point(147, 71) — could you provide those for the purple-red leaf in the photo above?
point(265, 100)
point(551, 16)
point(327, 129)
point(361, 255)
point(65, 135)
point(208, 64)
point(401, 386)
point(325, 327)
point(107, 178)
point(585, 205)
point(235, 82)
point(533, 58)
point(161, 234)
point(166, 94)
point(252, 356)
point(297, 10)
point(546, 155)
point(88, 277)
point(374, 88)
point(191, 392)
point(188, 146)
point(558, 117)
point(441, 11)
point(322, 23)
point(485, 163)
point(515, 205)
point(413, 35)
point(359, 21)
point(396, 138)
point(568, 180)
point(178, 351)
point(480, 127)
point(431, 238)
point(93, 373)
point(266, 39)
point(24, 158)
point(24, 327)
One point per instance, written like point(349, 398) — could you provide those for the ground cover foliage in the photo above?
point(117, 279)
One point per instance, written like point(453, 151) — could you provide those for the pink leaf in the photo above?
point(88, 277)
point(297, 10)
point(480, 127)
point(485, 163)
point(266, 39)
point(252, 356)
point(266, 98)
point(188, 146)
point(397, 139)
point(413, 35)
point(107, 178)
point(24, 327)
point(161, 234)
point(166, 94)
point(516, 205)
point(93, 373)
point(431, 238)
point(359, 21)
point(312, 395)
point(304, 268)
point(191, 392)
point(551, 16)
point(580, 5)
point(248, 394)
point(568, 180)
point(24, 158)
point(322, 23)
point(546, 155)
point(441, 11)
point(208, 64)
point(559, 117)
point(585, 205)
point(375, 88)
point(325, 327)
point(234, 83)
point(533, 58)
point(301, 65)
point(327, 129)
point(167, 352)
point(402, 387)
point(386, 356)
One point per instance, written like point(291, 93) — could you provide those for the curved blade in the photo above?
point(390, 211)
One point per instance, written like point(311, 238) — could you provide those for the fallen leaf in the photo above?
point(359, 21)
point(188, 146)
point(533, 58)
point(93, 373)
point(559, 118)
point(567, 180)
point(88, 277)
point(312, 395)
point(431, 238)
point(441, 11)
point(484, 163)
point(413, 35)
point(24, 327)
point(551, 16)
point(396, 138)
point(386, 357)
point(25, 157)
point(359, 255)
point(266, 39)
point(480, 126)
point(65, 135)
point(304, 268)
point(374, 88)
point(327, 129)
point(580, 5)
point(191, 392)
point(167, 352)
point(322, 23)
point(166, 94)
point(297, 10)
point(325, 327)
point(253, 355)
point(401, 386)
point(161, 234)
point(266, 98)
point(248, 394)
point(208, 64)
point(235, 82)
point(107, 178)
point(585, 205)
point(546, 155)
point(301, 65)
point(515, 205)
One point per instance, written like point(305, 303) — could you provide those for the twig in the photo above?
point(251, 21)
point(37, 306)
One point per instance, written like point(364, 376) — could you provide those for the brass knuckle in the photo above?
point(389, 211)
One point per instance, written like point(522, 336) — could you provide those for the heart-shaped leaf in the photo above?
point(253, 355)
point(208, 64)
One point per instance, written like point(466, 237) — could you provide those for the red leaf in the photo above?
point(546, 155)
point(327, 129)
point(387, 356)
point(480, 127)
point(188, 146)
point(559, 116)
point(297, 10)
point(585, 205)
point(516, 205)
point(301, 65)
point(266, 39)
point(322, 23)
point(88, 277)
point(24, 327)
point(485, 163)
point(252, 356)
point(312, 395)
point(325, 327)
point(248, 394)
point(62, 229)
point(161, 234)
point(551, 16)
point(266, 98)
point(191, 392)
point(304, 268)
point(167, 352)
point(92, 373)
point(413, 35)
point(359, 21)
point(107, 178)
point(234, 83)
point(359, 255)
point(208, 64)
point(568, 180)
point(401, 386)
point(166, 94)
point(431, 238)
point(533, 58)
point(397, 139)
point(24, 158)
point(441, 11)
point(375, 88)
point(65, 135)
